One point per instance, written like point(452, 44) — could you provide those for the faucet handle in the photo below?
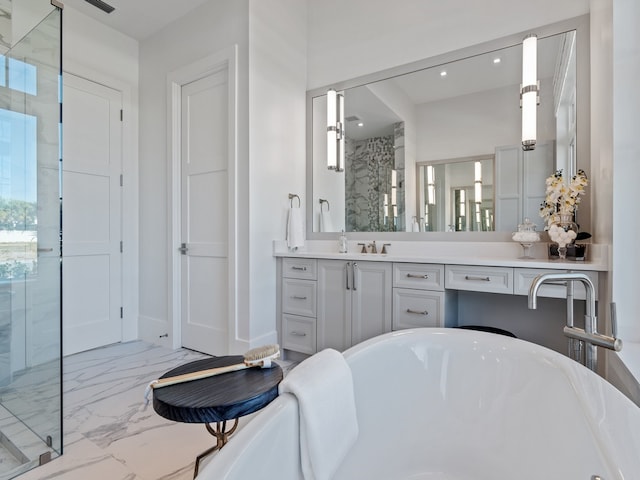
point(364, 247)
point(384, 248)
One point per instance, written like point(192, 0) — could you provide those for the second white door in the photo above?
point(204, 214)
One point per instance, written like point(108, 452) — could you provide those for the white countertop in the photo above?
point(496, 254)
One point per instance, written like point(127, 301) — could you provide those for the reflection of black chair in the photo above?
point(482, 328)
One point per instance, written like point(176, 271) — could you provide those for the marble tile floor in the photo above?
point(108, 433)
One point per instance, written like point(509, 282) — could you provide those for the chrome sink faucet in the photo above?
point(589, 335)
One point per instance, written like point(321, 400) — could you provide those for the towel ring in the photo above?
point(291, 197)
point(322, 200)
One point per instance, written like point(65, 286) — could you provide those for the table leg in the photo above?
point(222, 437)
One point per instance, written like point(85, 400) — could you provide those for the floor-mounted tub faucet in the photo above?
point(589, 335)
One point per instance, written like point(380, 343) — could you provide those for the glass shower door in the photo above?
point(30, 256)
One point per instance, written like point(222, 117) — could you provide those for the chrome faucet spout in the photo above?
point(589, 335)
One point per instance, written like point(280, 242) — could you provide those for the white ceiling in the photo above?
point(137, 18)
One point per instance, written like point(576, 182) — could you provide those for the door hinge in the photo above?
point(121, 115)
point(121, 246)
point(121, 312)
point(121, 180)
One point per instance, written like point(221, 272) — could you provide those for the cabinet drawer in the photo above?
point(417, 308)
point(479, 279)
point(303, 268)
point(418, 275)
point(299, 297)
point(299, 334)
point(524, 277)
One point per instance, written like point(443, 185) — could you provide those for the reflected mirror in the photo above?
point(438, 149)
point(456, 195)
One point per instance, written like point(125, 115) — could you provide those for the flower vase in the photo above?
point(563, 232)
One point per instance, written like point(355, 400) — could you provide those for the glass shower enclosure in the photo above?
point(30, 235)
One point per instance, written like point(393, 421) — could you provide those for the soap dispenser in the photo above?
point(342, 243)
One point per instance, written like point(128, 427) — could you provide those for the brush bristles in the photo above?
point(260, 353)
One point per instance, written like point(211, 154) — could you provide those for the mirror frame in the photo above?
point(583, 125)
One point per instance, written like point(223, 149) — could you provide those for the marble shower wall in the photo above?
point(368, 165)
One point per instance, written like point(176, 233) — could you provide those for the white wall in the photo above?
point(214, 27)
point(626, 161)
point(277, 78)
point(101, 54)
point(271, 148)
point(349, 39)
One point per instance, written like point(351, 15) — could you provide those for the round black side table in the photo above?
point(216, 400)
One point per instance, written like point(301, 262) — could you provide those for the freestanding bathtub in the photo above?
point(457, 405)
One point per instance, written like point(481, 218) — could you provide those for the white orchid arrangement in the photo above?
point(562, 199)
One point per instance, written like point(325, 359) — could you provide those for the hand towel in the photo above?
point(295, 229)
point(323, 386)
point(326, 225)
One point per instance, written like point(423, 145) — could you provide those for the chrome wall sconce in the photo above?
point(529, 91)
point(335, 131)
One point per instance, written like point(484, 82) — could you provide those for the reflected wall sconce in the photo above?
point(477, 184)
point(431, 185)
point(335, 131)
point(529, 91)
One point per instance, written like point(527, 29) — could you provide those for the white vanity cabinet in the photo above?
point(338, 302)
point(354, 302)
point(419, 298)
point(299, 305)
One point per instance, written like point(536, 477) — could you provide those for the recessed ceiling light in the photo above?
point(497, 60)
point(360, 124)
point(443, 73)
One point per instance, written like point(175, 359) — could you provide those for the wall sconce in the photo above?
point(529, 91)
point(335, 131)
point(478, 182)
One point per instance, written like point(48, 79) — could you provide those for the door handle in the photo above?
point(183, 249)
point(355, 269)
point(346, 269)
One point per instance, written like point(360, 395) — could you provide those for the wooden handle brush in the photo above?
point(256, 357)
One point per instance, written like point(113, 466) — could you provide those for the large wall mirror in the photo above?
point(435, 147)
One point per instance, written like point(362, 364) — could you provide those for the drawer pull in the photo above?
point(479, 279)
point(297, 297)
point(298, 334)
point(302, 269)
point(416, 312)
point(413, 275)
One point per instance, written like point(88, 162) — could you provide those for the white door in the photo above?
point(204, 214)
point(91, 192)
